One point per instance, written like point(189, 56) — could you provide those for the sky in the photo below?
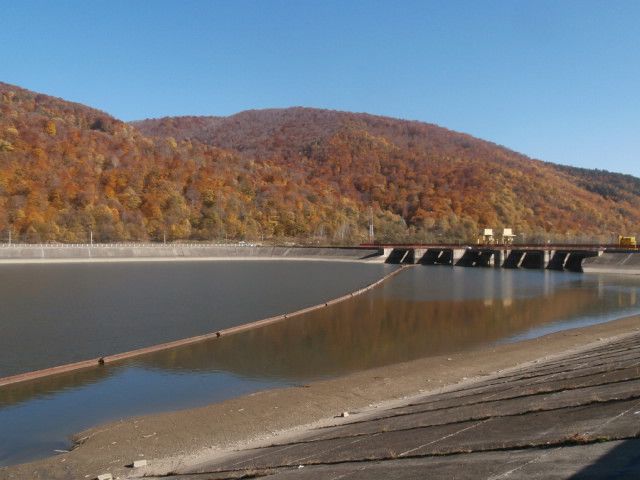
point(556, 80)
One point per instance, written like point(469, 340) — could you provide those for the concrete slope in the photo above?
point(613, 262)
point(574, 417)
point(185, 251)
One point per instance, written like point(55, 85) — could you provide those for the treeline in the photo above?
point(299, 174)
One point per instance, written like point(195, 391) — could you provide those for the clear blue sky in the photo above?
point(556, 80)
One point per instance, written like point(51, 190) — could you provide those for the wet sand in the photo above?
point(178, 440)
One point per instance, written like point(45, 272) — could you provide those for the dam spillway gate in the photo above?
point(512, 256)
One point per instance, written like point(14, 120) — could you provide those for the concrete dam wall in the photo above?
point(511, 256)
point(17, 253)
point(589, 261)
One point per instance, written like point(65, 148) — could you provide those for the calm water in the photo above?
point(424, 311)
point(55, 314)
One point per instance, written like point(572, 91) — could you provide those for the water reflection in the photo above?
point(62, 313)
point(409, 317)
point(47, 386)
point(424, 311)
point(398, 323)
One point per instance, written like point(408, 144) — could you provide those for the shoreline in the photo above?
point(27, 261)
point(116, 357)
point(182, 439)
point(146, 252)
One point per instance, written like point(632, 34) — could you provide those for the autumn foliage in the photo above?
point(304, 174)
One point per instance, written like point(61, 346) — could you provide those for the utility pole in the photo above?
point(91, 237)
point(371, 235)
point(9, 236)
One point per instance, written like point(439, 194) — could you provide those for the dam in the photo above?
point(602, 259)
point(567, 257)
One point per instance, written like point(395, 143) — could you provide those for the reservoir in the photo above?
point(56, 314)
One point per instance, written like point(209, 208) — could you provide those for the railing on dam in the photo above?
point(122, 244)
point(520, 246)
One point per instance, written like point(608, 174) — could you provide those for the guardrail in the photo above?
point(538, 246)
point(114, 245)
point(165, 245)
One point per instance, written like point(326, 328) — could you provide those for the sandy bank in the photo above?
point(176, 439)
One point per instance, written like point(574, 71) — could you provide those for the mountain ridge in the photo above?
point(208, 122)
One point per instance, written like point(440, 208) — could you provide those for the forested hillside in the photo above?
point(293, 174)
point(443, 184)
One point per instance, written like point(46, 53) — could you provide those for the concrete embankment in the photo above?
point(193, 251)
point(613, 262)
point(575, 416)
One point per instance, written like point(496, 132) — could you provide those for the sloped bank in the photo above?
point(188, 439)
point(25, 253)
point(613, 262)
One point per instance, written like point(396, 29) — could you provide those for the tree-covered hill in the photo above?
point(299, 173)
point(442, 183)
